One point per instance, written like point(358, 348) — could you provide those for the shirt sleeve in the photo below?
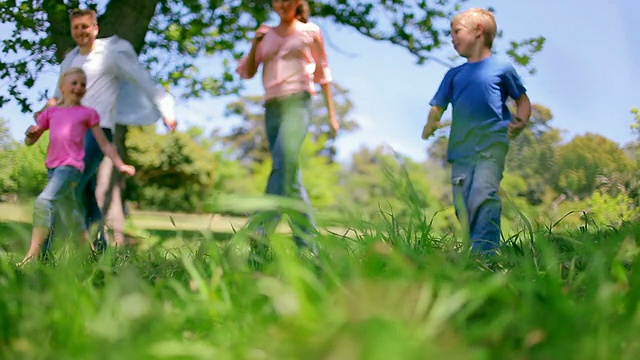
point(512, 83)
point(443, 96)
point(322, 73)
point(44, 118)
point(128, 67)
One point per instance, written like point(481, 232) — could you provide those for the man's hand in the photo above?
point(171, 124)
point(429, 129)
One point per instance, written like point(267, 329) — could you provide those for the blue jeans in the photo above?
point(86, 192)
point(287, 122)
point(476, 185)
point(58, 200)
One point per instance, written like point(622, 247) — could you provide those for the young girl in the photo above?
point(293, 58)
point(67, 123)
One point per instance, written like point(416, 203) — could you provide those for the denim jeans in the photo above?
point(58, 200)
point(476, 185)
point(287, 122)
point(86, 192)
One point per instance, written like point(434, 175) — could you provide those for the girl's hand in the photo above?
point(260, 33)
point(127, 169)
point(335, 125)
point(32, 134)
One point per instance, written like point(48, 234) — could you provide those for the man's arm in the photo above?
point(130, 69)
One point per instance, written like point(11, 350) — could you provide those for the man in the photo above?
point(122, 92)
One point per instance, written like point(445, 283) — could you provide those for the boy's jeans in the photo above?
point(476, 185)
point(287, 121)
point(58, 198)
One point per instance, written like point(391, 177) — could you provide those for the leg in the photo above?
point(461, 178)
point(86, 191)
point(295, 120)
point(55, 197)
point(485, 205)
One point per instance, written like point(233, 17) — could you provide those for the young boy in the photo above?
point(481, 126)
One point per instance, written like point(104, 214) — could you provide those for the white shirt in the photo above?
point(119, 88)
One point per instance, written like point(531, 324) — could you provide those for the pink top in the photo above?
point(292, 63)
point(67, 127)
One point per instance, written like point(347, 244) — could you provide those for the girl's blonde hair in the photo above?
point(476, 16)
point(63, 76)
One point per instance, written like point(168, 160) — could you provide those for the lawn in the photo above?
point(393, 291)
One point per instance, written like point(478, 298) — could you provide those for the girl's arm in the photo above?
point(248, 66)
point(323, 77)
point(32, 134)
point(110, 150)
point(328, 100)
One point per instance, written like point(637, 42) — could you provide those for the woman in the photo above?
point(293, 59)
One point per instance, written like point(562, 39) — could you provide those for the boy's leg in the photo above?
point(484, 203)
point(461, 178)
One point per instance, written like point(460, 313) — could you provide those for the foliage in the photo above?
point(173, 36)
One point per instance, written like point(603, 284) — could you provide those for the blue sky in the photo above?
point(587, 75)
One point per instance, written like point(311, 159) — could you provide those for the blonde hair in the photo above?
point(76, 13)
point(63, 76)
point(476, 16)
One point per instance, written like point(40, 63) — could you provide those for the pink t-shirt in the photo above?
point(67, 127)
point(292, 63)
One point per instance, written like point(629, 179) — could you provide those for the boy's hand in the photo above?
point(127, 170)
point(515, 127)
point(429, 129)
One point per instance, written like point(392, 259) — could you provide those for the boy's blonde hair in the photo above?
point(476, 16)
point(69, 71)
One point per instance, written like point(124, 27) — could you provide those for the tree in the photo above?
point(591, 162)
point(7, 154)
point(533, 154)
point(172, 34)
point(173, 172)
point(249, 140)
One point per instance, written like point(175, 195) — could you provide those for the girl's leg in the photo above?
point(294, 120)
point(61, 182)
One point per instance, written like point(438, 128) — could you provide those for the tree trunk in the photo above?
point(129, 20)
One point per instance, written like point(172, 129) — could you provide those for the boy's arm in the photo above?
point(523, 112)
point(433, 122)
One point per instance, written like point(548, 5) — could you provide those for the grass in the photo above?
point(391, 290)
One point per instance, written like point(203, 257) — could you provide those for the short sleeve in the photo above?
point(94, 118)
point(443, 96)
point(44, 118)
point(512, 83)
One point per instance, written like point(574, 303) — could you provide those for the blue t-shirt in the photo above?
point(478, 91)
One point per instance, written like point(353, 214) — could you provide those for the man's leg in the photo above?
point(111, 188)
